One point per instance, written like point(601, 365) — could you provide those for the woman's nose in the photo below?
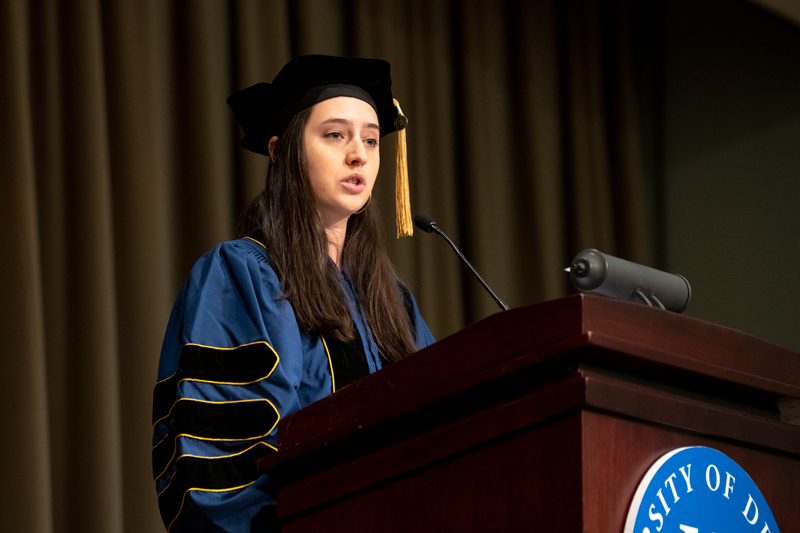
point(356, 152)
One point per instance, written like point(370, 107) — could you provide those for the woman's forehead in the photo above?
point(344, 107)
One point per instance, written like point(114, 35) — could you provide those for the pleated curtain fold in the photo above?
point(121, 166)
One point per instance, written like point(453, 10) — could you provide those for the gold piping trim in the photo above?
point(208, 440)
point(210, 458)
point(234, 348)
point(219, 403)
point(277, 360)
point(215, 440)
point(162, 440)
point(255, 241)
point(183, 498)
point(205, 381)
point(330, 364)
point(207, 401)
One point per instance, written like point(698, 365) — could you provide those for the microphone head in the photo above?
point(593, 270)
point(424, 222)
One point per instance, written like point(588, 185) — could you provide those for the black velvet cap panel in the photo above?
point(263, 110)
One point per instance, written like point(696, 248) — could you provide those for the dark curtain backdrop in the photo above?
point(120, 167)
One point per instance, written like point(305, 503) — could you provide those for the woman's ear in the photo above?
point(271, 147)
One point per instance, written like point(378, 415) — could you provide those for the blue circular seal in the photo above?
point(698, 490)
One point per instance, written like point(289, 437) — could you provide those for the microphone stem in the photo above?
point(439, 232)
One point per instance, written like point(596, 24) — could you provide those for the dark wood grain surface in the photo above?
point(544, 417)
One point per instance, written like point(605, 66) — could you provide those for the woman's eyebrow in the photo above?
point(347, 122)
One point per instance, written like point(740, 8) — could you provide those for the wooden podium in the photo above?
point(543, 418)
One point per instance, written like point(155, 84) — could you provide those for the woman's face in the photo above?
point(342, 156)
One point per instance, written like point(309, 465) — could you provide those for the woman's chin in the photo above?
point(357, 206)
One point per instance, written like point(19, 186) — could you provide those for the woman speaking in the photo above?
point(303, 303)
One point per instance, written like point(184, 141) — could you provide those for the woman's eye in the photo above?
point(372, 142)
point(334, 135)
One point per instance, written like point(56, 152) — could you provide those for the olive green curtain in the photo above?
point(120, 167)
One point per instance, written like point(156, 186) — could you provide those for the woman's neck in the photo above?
point(336, 235)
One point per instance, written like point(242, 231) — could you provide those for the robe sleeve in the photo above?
point(230, 366)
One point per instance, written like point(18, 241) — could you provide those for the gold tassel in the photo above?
point(405, 227)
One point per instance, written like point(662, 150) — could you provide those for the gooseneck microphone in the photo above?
point(427, 224)
point(592, 270)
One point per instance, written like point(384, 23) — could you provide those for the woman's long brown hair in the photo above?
point(285, 218)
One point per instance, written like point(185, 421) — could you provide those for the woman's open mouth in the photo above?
point(354, 182)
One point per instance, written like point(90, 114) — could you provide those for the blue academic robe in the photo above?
point(233, 363)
